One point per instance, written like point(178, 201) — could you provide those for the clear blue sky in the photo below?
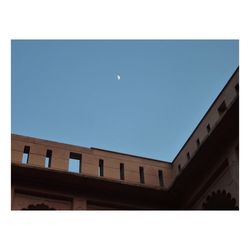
point(68, 91)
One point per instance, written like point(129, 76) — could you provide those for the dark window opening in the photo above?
point(160, 174)
point(188, 155)
point(75, 162)
point(26, 153)
point(208, 128)
point(222, 108)
point(198, 142)
point(142, 175)
point(101, 168)
point(237, 88)
point(122, 177)
point(48, 159)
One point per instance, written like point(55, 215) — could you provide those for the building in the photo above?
point(48, 175)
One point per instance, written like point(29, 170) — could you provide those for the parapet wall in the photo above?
point(36, 151)
point(208, 123)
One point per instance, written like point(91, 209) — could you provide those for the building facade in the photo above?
point(48, 175)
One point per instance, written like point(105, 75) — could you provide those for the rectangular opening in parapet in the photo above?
point(122, 171)
point(26, 152)
point(142, 175)
point(237, 88)
point(160, 174)
point(101, 168)
point(222, 108)
point(75, 162)
point(198, 143)
point(48, 159)
point(179, 167)
point(208, 128)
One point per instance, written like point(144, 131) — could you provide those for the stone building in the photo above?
point(47, 175)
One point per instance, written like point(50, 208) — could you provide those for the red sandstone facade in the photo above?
point(203, 175)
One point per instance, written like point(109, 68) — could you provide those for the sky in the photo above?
point(68, 91)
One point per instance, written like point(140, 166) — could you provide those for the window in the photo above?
point(26, 152)
point(48, 159)
point(161, 181)
point(142, 175)
point(75, 162)
point(101, 168)
point(198, 142)
point(188, 155)
point(122, 171)
point(208, 128)
point(222, 108)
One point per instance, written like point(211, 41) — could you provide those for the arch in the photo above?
point(40, 206)
point(220, 200)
